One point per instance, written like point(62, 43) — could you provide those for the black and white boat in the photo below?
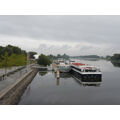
point(86, 71)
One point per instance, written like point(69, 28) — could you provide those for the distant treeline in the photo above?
point(87, 57)
point(116, 57)
point(64, 56)
point(53, 57)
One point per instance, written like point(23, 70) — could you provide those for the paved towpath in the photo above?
point(10, 79)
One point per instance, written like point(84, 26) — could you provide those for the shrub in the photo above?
point(43, 60)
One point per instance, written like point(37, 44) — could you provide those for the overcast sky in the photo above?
point(73, 35)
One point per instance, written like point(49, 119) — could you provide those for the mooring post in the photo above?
point(58, 74)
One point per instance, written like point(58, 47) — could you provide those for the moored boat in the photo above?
point(86, 71)
point(62, 67)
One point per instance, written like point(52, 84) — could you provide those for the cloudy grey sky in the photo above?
point(73, 35)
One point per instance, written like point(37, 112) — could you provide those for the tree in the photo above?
point(44, 60)
point(65, 56)
point(108, 57)
point(116, 57)
point(31, 54)
point(59, 56)
point(11, 50)
point(52, 57)
point(5, 61)
point(1, 52)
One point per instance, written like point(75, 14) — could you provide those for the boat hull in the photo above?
point(86, 77)
point(64, 68)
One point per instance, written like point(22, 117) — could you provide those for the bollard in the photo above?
point(55, 70)
point(58, 74)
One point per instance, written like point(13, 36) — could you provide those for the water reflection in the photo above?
point(62, 75)
point(65, 75)
point(90, 59)
point(47, 90)
point(89, 83)
point(28, 90)
point(115, 64)
point(42, 73)
point(87, 80)
point(55, 75)
point(82, 80)
point(57, 82)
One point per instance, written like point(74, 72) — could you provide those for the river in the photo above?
point(45, 89)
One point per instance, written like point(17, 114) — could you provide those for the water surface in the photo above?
point(45, 89)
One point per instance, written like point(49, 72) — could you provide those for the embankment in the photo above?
point(10, 72)
point(11, 95)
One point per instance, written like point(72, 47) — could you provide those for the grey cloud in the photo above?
point(95, 30)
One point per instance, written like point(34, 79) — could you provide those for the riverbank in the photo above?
point(9, 71)
point(11, 94)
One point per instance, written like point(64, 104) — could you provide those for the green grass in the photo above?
point(13, 60)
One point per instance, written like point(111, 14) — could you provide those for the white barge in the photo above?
point(62, 67)
point(86, 72)
point(85, 69)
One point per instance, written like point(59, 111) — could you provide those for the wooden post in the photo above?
point(58, 74)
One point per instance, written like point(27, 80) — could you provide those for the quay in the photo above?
point(2, 75)
point(12, 93)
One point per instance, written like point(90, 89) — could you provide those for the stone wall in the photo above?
point(12, 94)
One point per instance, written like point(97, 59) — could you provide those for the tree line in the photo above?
point(53, 57)
point(13, 56)
point(11, 50)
